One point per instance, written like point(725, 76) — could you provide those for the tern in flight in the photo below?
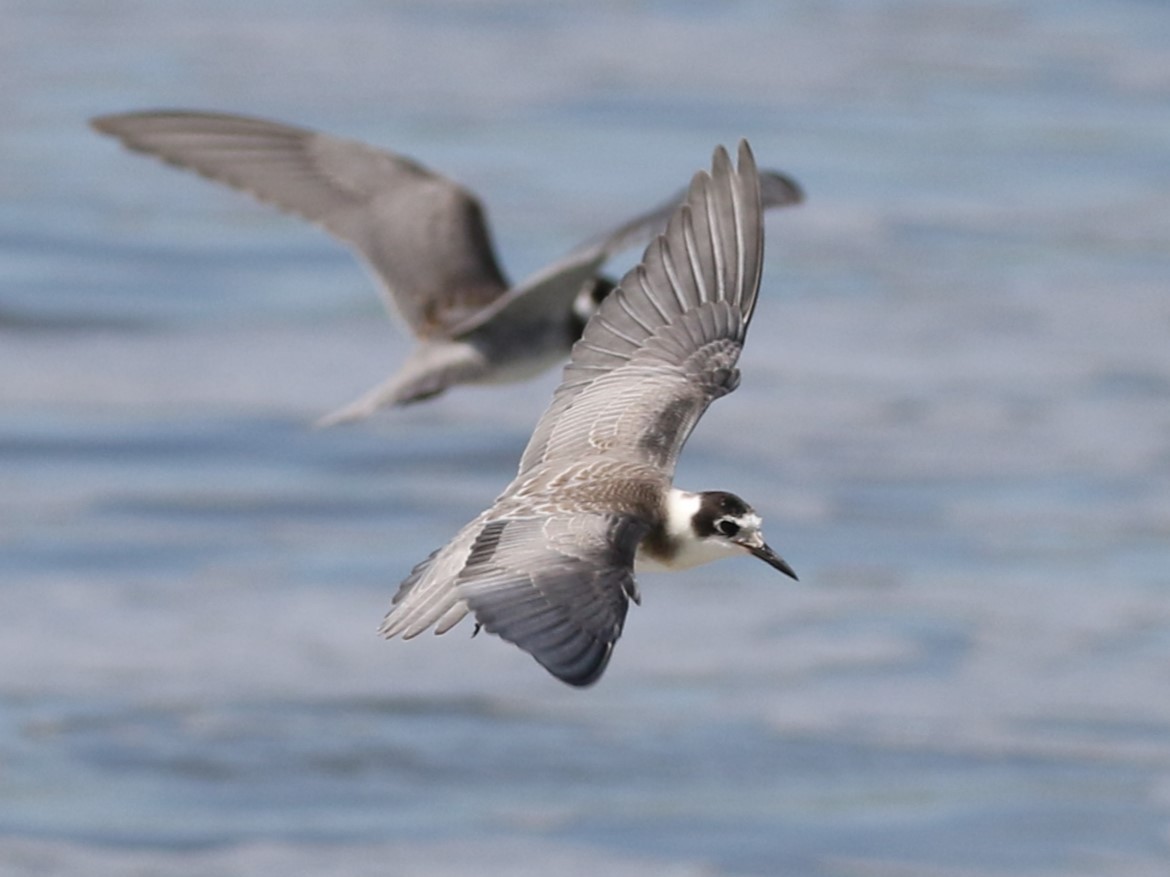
point(424, 237)
point(550, 566)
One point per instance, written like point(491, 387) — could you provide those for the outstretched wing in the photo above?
point(554, 287)
point(550, 566)
point(776, 190)
point(556, 585)
point(424, 236)
point(664, 345)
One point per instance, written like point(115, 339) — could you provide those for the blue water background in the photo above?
point(955, 419)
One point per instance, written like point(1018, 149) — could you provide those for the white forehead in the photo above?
point(750, 521)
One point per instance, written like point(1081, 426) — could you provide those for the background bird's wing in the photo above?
point(424, 236)
point(664, 345)
point(776, 190)
point(554, 287)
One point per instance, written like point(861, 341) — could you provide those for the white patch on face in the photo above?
point(693, 552)
point(681, 508)
point(747, 526)
point(750, 523)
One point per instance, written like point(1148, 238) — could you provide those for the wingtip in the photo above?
point(776, 189)
point(115, 123)
point(103, 124)
point(779, 190)
point(722, 171)
point(746, 160)
point(581, 675)
point(720, 160)
point(347, 414)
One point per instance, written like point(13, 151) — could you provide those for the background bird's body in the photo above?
point(424, 237)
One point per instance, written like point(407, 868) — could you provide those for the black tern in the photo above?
point(550, 566)
point(424, 237)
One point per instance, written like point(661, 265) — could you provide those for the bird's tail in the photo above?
point(430, 370)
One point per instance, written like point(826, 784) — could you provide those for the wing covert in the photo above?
point(557, 586)
point(424, 236)
point(664, 344)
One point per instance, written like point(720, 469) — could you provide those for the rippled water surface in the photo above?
point(955, 418)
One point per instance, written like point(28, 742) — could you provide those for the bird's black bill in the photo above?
point(770, 557)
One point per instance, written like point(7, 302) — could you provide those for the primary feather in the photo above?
point(550, 566)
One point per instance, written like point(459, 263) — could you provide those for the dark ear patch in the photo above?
point(715, 505)
point(727, 527)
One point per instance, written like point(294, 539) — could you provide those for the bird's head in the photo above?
point(722, 520)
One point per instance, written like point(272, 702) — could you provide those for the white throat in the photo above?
point(688, 549)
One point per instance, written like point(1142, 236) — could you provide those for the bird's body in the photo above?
point(424, 237)
point(550, 566)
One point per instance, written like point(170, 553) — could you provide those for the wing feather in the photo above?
point(710, 254)
point(553, 288)
point(424, 236)
point(558, 587)
point(550, 566)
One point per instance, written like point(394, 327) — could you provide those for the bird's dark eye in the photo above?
point(728, 527)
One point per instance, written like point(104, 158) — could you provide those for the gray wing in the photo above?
point(776, 190)
point(556, 585)
point(550, 566)
point(424, 236)
point(664, 345)
point(554, 288)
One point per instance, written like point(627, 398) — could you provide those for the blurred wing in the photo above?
point(424, 236)
point(664, 345)
point(556, 585)
point(776, 190)
point(553, 288)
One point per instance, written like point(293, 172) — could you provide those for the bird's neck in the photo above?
point(673, 544)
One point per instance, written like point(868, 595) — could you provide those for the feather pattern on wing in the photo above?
point(664, 345)
point(553, 287)
point(424, 236)
point(549, 566)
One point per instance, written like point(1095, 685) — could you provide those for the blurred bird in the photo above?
point(550, 566)
point(424, 237)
